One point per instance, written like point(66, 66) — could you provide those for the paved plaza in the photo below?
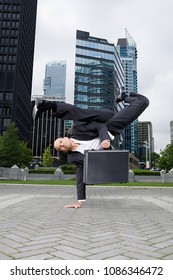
point(116, 223)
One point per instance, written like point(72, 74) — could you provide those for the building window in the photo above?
point(8, 96)
point(6, 122)
point(3, 67)
point(4, 40)
point(13, 41)
point(7, 110)
point(5, 32)
point(6, 23)
point(14, 32)
point(3, 58)
point(11, 67)
point(7, 7)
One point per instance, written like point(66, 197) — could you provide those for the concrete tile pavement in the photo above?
point(115, 223)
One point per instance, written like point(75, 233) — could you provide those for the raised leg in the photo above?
point(137, 104)
point(70, 112)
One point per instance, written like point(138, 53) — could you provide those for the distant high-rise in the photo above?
point(146, 142)
point(171, 131)
point(17, 38)
point(48, 127)
point(55, 80)
point(128, 53)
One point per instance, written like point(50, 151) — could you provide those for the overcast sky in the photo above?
point(149, 22)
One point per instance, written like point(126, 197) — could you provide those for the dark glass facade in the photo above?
point(17, 37)
point(98, 72)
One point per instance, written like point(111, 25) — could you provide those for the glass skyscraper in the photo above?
point(146, 142)
point(17, 38)
point(98, 72)
point(55, 80)
point(128, 53)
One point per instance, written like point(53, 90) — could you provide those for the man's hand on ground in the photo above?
point(75, 205)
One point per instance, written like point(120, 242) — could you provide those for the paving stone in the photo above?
point(168, 257)
point(72, 251)
point(7, 250)
point(75, 245)
point(43, 241)
point(167, 250)
point(5, 257)
point(37, 247)
point(16, 238)
point(161, 238)
point(11, 243)
point(119, 257)
point(38, 257)
point(106, 255)
point(164, 244)
point(139, 256)
point(60, 255)
point(26, 254)
point(148, 253)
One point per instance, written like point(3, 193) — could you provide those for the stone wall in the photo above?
point(166, 177)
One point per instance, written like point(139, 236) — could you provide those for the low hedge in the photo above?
point(43, 170)
point(71, 169)
point(66, 169)
point(143, 172)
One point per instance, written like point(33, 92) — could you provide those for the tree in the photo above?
point(25, 155)
point(154, 159)
point(47, 157)
point(12, 150)
point(166, 160)
point(1, 145)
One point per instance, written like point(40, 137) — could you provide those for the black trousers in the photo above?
point(115, 122)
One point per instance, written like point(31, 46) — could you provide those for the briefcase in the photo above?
point(106, 166)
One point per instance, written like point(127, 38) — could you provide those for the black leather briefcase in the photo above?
point(106, 166)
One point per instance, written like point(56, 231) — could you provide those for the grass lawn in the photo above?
point(73, 182)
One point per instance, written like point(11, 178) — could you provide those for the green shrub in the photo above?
point(143, 172)
point(68, 168)
point(43, 170)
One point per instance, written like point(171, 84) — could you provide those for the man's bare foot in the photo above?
point(78, 204)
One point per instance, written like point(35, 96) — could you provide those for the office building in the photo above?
point(128, 53)
point(45, 131)
point(17, 37)
point(146, 142)
point(55, 80)
point(171, 131)
point(98, 73)
point(48, 127)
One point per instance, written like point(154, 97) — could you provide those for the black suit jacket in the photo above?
point(86, 131)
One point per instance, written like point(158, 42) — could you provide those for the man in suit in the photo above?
point(92, 130)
